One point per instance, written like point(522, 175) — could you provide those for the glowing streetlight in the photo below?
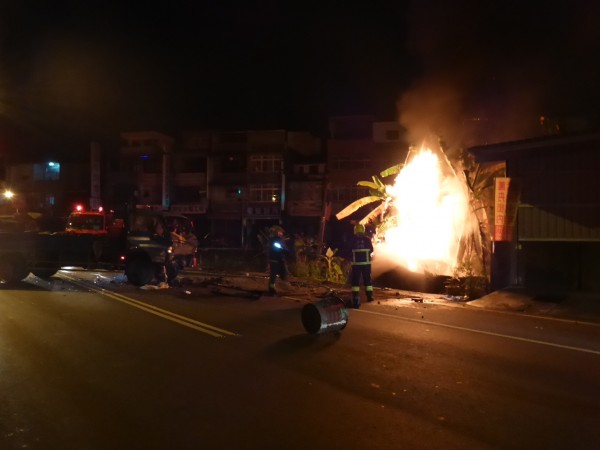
point(8, 194)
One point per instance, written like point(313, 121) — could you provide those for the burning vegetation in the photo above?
point(431, 217)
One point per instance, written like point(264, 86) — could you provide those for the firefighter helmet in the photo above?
point(275, 229)
point(359, 228)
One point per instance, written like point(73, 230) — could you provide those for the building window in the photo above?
point(345, 163)
point(50, 200)
point(127, 165)
point(315, 169)
point(193, 164)
point(264, 193)
point(348, 194)
point(265, 163)
point(233, 164)
point(392, 135)
point(235, 193)
point(309, 169)
point(152, 164)
point(183, 194)
point(49, 171)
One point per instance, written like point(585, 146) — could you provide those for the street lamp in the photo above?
point(10, 197)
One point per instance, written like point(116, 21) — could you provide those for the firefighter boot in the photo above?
point(369, 293)
point(355, 301)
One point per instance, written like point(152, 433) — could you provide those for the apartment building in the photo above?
point(138, 175)
point(305, 185)
point(232, 183)
point(248, 186)
point(188, 175)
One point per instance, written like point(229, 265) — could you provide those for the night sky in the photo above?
point(69, 68)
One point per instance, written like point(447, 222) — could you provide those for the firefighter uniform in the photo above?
point(277, 252)
point(362, 247)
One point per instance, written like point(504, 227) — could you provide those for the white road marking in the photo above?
point(489, 333)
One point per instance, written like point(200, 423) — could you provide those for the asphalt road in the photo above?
point(88, 364)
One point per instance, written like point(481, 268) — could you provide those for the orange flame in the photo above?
point(430, 210)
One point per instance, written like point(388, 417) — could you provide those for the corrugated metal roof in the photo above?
point(502, 151)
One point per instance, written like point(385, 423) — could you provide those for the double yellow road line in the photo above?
point(173, 317)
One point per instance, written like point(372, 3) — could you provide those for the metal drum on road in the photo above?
point(328, 314)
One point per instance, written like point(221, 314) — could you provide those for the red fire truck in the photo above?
point(95, 223)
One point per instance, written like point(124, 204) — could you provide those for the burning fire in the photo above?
point(429, 215)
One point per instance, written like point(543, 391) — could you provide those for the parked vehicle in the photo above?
point(24, 249)
point(149, 248)
point(141, 244)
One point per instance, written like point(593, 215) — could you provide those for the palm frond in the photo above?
point(378, 183)
point(368, 184)
point(381, 194)
point(394, 170)
point(356, 205)
point(372, 214)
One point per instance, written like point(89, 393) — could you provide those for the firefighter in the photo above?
point(165, 271)
point(362, 247)
point(277, 252)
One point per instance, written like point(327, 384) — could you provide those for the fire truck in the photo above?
point(91, 239)
point(93, 223)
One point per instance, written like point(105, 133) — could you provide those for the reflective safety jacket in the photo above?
point(362, 247)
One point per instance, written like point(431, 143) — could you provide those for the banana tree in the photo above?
point(377, 193)
point(474, 255)
point(480, 182)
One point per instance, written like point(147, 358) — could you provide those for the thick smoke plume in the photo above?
point(490, 70)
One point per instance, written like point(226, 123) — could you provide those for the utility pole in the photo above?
point(326, 209)
point(166, 160)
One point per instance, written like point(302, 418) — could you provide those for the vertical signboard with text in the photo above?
point(502, 225)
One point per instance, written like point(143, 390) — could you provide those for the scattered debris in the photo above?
point(148, 287)
point(121, 278)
